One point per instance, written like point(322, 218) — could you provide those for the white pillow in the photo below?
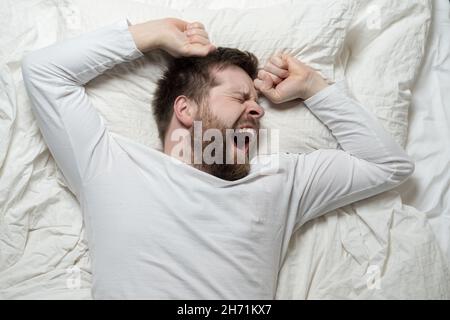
point(384, 49)
point(313, 31)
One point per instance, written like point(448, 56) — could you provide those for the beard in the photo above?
point(224, 170)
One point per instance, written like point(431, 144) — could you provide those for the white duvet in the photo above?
point(376, 248)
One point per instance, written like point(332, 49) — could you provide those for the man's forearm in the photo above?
point(77, 61)
point(358, 131)
point(146, 35)
point(371, 161)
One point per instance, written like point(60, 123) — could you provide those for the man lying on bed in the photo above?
point(160, 225)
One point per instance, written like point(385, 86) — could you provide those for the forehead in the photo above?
point(233, 79)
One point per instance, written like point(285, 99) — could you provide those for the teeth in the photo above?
point(250, 131)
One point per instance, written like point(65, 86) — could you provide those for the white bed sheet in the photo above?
point(428, 189)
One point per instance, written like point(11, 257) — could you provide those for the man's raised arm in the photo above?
point(371, 160)
point(55, 77)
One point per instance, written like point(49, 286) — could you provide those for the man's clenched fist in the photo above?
point(175, 36)
point(285, 78)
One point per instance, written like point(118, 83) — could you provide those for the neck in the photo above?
point(179, 147)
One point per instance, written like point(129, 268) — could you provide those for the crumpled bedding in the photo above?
point(374, 249)
point(42, 248)
point(377, 248)
point(428, 190)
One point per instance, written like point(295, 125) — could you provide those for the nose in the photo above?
point(254, 110)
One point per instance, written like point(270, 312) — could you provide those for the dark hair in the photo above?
point(192, 77)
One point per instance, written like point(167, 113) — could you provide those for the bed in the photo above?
point(392, 246)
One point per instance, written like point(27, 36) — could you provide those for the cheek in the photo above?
point(228, 113)
point(230, 117)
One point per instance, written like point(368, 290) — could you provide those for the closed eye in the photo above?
point(241, 100)
point(246, 97)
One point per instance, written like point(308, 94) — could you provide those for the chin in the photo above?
point(229, 172)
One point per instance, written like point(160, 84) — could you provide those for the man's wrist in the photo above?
point(317, 85)
point(331, 89)
point(146, 35)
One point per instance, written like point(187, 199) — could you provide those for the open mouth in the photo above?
point(242, 146)
point(242, 138)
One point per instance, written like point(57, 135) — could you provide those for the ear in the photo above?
point(184, 110)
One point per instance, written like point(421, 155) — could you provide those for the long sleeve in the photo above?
point(369, 163)
point(55, 77)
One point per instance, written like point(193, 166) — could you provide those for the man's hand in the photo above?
point(285, 78)
point(177, 37)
